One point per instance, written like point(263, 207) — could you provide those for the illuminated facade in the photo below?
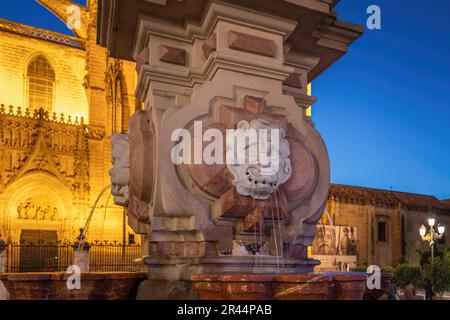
point(61, 99)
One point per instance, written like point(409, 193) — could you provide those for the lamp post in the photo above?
point(432, 236)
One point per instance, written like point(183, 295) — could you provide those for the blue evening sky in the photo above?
point(383, 109)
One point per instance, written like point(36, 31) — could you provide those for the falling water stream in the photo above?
point(280, 234)
point(318, 277)
point(274, 234)
point(254, 237)
point(86, 226)
point(259, 233)
point(104, 216)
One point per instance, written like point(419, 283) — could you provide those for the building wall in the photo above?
point(365, 218)
point(107, 224)
point(81, 90)
point(68, 63)
point(414, 243)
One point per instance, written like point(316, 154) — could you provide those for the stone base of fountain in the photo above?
point(326, 286)
point(53, 286)
point(160, 266)
point(170, 277)
point(376, 294)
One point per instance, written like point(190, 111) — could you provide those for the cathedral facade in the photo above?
point(61, 99)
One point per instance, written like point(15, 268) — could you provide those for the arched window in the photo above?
point(41, 81)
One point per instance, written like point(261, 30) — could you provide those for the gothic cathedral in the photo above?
point(61, 99)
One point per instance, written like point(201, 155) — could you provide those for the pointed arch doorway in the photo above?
point(39, 216)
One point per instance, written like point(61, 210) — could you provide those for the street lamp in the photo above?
point(432, 236)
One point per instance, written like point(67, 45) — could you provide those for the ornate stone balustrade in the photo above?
point(20, 130)
point(40, 114)
point(19, 114)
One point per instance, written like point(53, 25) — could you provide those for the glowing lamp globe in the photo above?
point(422, 231)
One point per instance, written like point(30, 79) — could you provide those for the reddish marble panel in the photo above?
point(248, 43)
point(172, 55)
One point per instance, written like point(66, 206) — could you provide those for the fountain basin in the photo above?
point(313, 286)
point(53, 286)
point(233, 286)
point(349, 286)
point(303, 287)
point(376, 294)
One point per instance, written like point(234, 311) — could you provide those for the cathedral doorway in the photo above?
point(38, 201)
point(38, 252)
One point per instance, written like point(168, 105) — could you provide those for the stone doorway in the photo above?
point(38, 250)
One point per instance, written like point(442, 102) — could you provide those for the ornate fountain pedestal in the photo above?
point(204, 70)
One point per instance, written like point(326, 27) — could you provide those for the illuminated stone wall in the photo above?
point(71, 174)
point(69, 64)
point(402, 214)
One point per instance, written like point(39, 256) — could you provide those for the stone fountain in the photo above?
point(226, 230)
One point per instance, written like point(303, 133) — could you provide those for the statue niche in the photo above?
point(37, 208)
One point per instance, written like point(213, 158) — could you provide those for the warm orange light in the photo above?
point(422, 231)
point(309, 110)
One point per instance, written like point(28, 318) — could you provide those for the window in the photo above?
point(41, 80)
point(382, 232)
point(131, 239)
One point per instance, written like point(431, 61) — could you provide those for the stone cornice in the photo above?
point(216, 11)
point(325, 39)
point(269, 33)
point(41, 34)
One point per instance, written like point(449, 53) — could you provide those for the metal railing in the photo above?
point(57, 257)
point(110, 257)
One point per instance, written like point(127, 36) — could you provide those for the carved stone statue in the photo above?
point(21, 211)
point(120, 172)
point(239, 249)
point(55, 215)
